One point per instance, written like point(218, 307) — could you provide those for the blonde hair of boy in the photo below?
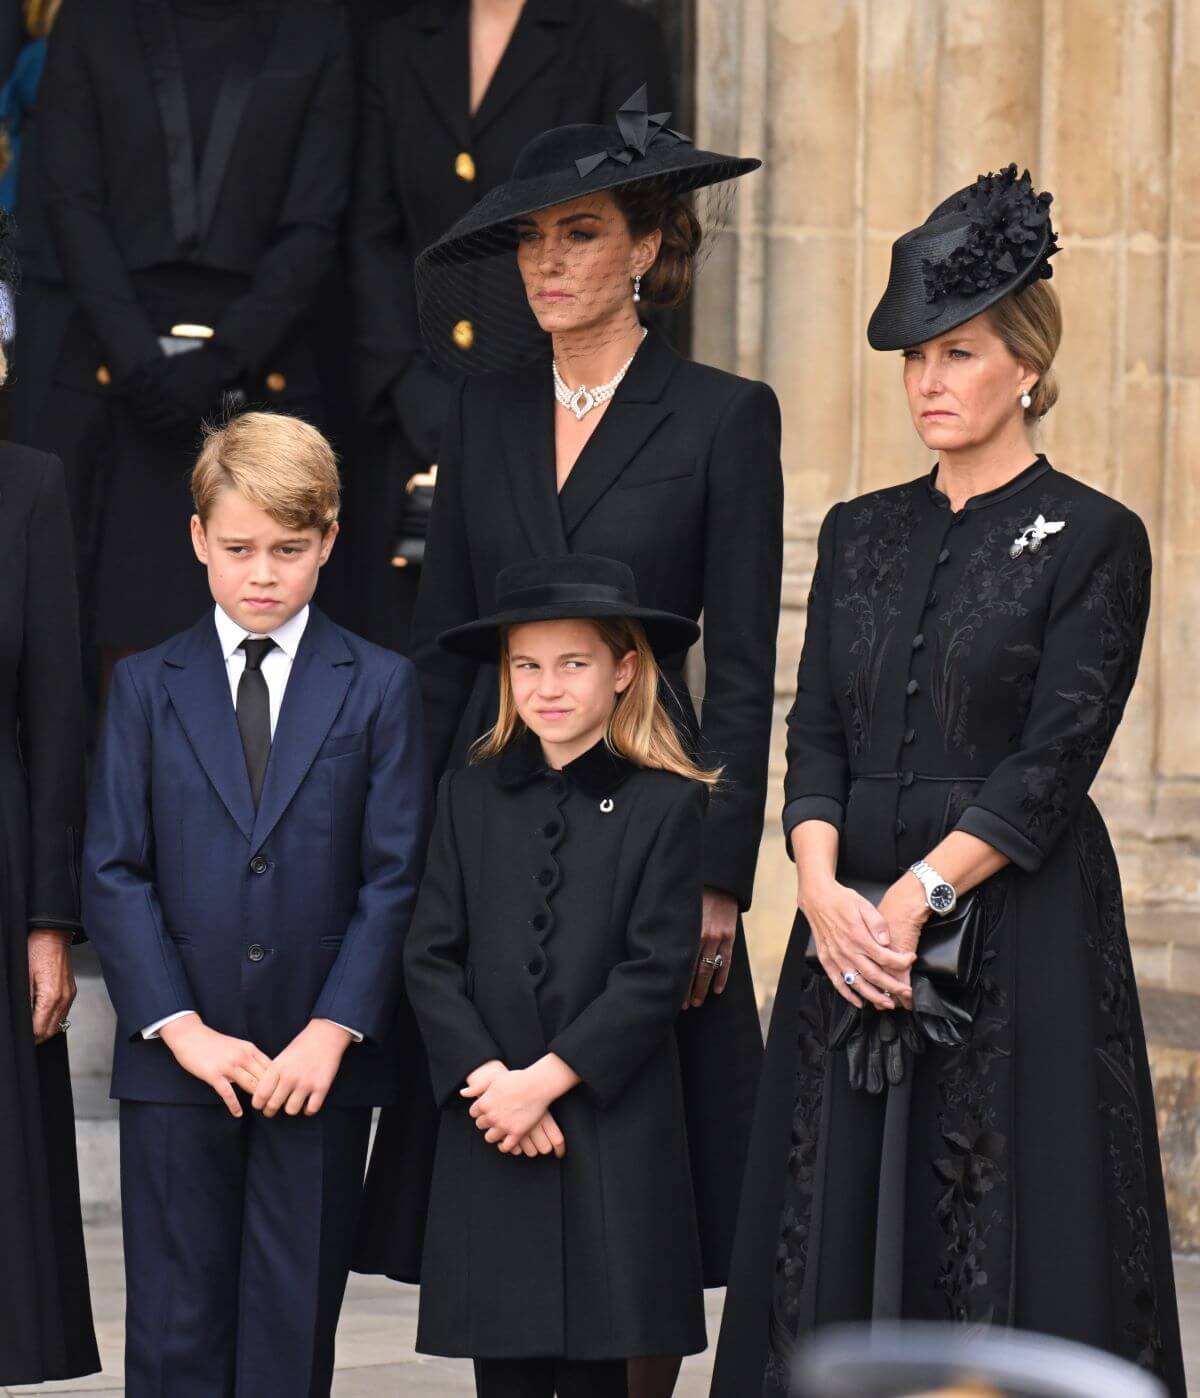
point(281, 464)
point(639, 729)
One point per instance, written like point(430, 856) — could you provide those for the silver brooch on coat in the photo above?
point(1034, 535)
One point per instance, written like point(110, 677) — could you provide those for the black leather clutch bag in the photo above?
point(951, 947)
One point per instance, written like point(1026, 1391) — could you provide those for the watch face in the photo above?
point(941, 898)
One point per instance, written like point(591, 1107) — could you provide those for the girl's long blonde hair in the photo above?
point(639, 730)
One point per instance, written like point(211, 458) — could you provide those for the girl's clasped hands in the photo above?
point(511, 1106)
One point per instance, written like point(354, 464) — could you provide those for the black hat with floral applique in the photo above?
point(990, 239)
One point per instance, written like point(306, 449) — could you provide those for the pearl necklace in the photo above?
point(582, 400)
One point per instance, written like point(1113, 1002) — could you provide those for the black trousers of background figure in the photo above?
point(548, 1378)
point(237, 1247)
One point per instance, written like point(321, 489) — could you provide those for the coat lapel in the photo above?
point(441, 60)
point(166, 79)
point(535, 44)
point(232, 99)
point(529, 460)
point(316, 690)
point(197, 683)
point(630, 420)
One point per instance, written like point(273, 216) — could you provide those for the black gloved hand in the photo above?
point(421, 400)
point(173, 394)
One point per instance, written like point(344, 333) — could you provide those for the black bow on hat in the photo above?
point(639, 130)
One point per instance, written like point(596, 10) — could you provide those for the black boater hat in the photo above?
point(991, 238)
point(569, 162)
point(567, 587)
point(471, 302)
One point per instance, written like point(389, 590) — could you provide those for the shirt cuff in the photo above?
point(151, 1031)
point(354, 1034)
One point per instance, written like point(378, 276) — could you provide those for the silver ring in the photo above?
point(850, 977)
point(63, 1025)
point(716, 962)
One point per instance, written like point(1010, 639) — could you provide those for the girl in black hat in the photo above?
point(548, 959)
point(973, 1141)
point(588, 434)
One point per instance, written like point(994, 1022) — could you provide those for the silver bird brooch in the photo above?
point(1034, 535)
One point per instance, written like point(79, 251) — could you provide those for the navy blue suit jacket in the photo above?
point(259, 920)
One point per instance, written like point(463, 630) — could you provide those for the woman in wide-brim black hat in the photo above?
point(592, 435)
point(972, 639)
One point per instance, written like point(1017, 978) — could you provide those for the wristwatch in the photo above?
point(940, 895)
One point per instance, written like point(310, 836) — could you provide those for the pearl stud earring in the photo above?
point(1026, 400)
point(637, 288)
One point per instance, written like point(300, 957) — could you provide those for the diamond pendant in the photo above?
point(581, 403)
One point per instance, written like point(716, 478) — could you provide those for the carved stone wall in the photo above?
point(869, 112)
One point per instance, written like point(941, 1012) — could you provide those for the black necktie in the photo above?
point(254, 714)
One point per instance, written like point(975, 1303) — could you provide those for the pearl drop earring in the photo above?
point(1026, 400)
point(637, 288)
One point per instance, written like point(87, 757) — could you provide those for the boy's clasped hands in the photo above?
point(297, 1080)
point(511, 1106)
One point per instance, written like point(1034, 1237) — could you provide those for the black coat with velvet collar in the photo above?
point(558, 913)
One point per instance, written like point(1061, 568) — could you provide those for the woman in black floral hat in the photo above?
point(969, 1138)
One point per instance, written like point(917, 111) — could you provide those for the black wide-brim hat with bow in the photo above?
point(569, 162)
point(986, 241)
point(568, 587)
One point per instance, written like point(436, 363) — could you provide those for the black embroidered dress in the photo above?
point(946, 683)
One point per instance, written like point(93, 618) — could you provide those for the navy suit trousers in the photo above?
point(237, 1247)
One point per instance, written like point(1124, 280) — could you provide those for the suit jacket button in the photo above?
point(463, 334)
point(464, 166)
point(259, 865)
point(276, 382)
point(255, 952)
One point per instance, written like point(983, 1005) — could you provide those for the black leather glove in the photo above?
point(421, 400)
point(875, 1044)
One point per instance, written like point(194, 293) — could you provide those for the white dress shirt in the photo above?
point(276, 670)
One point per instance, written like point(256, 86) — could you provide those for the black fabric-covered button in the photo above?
point(255, 952)
point(906, 778)
point(910, 735)
point(943, 556)
point(918, 640)
point(534, 967)
point(545, 878)
point(259, 865)
point(550, 829)
point(539, 922)
point(912, 687)
point(900, 827)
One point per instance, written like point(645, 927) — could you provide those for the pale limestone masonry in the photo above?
point(869, 112)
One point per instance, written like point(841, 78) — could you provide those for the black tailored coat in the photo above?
point(680, 480)
point(154, 223)
point(423, 160)
point(955, 677)
point(548, 923)
point(45, 1313)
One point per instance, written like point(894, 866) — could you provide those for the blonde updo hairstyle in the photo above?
point(1029, 322)
point(648, 206)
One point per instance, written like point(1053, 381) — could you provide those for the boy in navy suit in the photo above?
point(256, 825)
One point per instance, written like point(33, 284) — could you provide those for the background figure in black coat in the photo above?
point(194, 163)
point(425, 157)
point(45, 1311)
